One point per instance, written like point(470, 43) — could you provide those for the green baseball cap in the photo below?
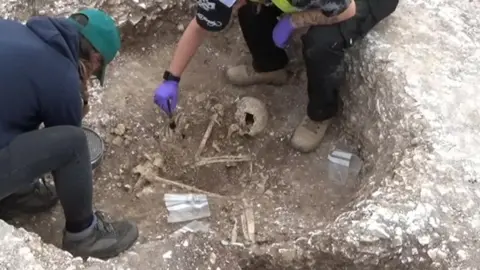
point(102, 32)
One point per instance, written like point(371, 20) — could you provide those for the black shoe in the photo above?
point(103, 240)
point(38, 198)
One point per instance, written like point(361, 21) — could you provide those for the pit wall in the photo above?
point(416, 208)
point(413, 104)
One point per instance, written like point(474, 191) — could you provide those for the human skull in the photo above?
point(251, 116)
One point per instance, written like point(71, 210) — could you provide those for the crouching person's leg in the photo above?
point(64, 151)
point(269, 61)
point(30, 197)
point(323, 52)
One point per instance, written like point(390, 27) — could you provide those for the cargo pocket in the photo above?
point(369, 13)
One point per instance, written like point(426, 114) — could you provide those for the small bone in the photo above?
point(140, 183)
point(184, 186)
point(250, 220)
point(216, 147)
point(169, 133)
point(147, 174)
point(234, 232)
point(263, 183)
point(222, 159)
point(218, 109)
point(232, 129)
point(207, 135)
point(142, 170)
point(243, 221)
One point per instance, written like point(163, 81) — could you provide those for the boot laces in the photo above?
point(103, 225)
point(41, 186)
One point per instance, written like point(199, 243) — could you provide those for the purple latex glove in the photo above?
point(167, 93)
point(282, 31)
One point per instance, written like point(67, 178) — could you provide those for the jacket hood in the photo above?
point(59, 33)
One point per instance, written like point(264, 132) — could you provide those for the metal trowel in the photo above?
point(172, 125)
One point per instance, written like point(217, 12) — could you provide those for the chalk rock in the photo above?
point(189, 251)
point(23, 250)
point(133, 16)
point(413, 102)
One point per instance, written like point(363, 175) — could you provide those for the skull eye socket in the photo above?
point(249, 119)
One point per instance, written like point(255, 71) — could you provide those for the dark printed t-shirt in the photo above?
point(213, 15)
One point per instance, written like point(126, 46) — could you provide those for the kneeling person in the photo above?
point(45, 66)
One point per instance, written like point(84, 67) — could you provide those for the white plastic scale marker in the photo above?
point(340, 157)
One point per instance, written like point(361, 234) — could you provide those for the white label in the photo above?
point(206, 5)
point(340, 158)
point(342, 154)
point(209, 22)
point(339, 161)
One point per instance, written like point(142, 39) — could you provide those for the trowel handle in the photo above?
point(169, 105)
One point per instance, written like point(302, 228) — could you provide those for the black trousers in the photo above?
point(323, 49)
point(62, 150)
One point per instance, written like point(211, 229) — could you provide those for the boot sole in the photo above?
point(258, 83)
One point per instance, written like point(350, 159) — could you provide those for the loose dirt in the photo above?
point(290, 192)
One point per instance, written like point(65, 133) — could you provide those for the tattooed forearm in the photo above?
point(316, 17)
point(312, 17)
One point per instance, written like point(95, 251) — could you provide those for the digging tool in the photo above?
point(172, 123)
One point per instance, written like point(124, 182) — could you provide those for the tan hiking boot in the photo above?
point(309, 134)
point(244, 75)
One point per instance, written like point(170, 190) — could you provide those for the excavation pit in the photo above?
point(400, 212)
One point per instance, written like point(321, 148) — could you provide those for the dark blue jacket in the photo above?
point(39, 80)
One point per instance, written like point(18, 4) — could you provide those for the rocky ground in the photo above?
point(289, 193)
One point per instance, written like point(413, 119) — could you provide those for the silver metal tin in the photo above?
point(95, 145)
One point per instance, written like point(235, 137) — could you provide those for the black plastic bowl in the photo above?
point(95, 145)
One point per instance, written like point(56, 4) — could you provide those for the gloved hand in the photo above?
point(167, 91)
point(282, 31)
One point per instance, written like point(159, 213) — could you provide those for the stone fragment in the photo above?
point(120, 130)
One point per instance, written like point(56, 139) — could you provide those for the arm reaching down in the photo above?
point(333, 12)
point(212, 16)
point(191, 39)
